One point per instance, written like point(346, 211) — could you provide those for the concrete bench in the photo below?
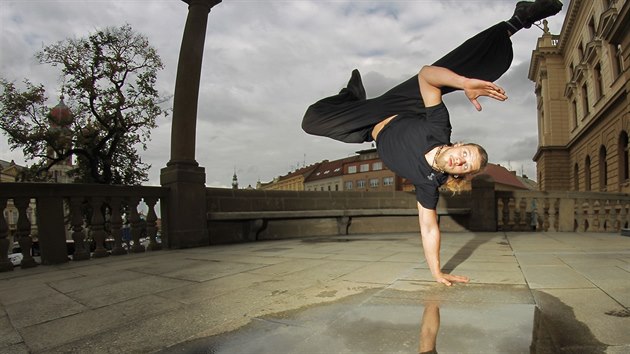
point(257, 220)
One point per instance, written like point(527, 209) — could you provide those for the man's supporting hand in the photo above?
point(449, 279)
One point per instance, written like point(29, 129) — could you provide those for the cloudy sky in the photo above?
point(266, 61)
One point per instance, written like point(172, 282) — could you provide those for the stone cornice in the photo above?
point(569, 23)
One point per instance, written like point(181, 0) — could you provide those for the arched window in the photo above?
point(576, 177)
point(622, 152)
point(587, 173)
point(603, 169)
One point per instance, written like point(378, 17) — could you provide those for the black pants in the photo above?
point(350, 117)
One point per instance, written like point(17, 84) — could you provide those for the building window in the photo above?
point(388, 181)
point(336, 187)
point(349, 185)
point(374, 183)
point(361, 183)
point(364, 167)
point(576, 177)
point(591, 28)
point(585, 105)
point(329, 188)
point(321, 188)
point(352, 169)
point(603, 169)
point(624, 169)
point(377, 166)
point(581, 51)
point(597, 73)
point(587, 173)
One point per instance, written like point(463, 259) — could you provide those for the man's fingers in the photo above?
point(445, 282)
point(476, 104)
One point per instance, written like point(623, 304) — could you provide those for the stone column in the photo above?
point(186, 205)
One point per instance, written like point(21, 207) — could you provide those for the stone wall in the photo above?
point(399, 211)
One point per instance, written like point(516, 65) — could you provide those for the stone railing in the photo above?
point(562, 211)
point(77, 221)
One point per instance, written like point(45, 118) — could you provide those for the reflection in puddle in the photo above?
point(374, 324)
point(429, 327)
point(479, 328)
point(487, 328)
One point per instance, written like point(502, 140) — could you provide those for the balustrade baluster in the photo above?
point(115, 225)
point(23, 232)
point(624, 215)
point(522, 215)
point(511, 206)
point(613, 217)
point(5, 243)
point(588, 215)
point(533, 215)
point(500, 223)
point(97, 228)
point(605, 214)
point(545, 214)
point(151, 224)
point(80, 251)
point(136, 225)
point(596, 216)
point(579, 212)
point(553, 226)
point(582, 210)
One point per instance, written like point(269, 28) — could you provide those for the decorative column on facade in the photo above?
point(185, 211)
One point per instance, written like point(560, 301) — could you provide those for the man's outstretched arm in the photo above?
point(430, 232)
point(432, 78)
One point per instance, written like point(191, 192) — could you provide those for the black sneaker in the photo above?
point(529, 12)
point(355, 86)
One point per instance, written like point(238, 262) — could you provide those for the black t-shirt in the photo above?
point(403, 142)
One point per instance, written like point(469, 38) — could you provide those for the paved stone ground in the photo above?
point(538, 292)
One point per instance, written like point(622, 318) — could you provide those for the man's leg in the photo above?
point(488, 55)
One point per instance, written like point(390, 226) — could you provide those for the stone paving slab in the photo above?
point(364, 293)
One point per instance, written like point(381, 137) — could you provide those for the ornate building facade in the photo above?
point(582, 85)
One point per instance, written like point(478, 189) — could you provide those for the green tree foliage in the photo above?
point(109, 85)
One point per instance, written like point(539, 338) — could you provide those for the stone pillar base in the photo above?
point(184, 223)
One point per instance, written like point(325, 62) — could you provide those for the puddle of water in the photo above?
point(377, 327)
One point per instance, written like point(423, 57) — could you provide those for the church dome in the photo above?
point(60, 115)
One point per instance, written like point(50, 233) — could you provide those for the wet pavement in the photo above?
point(529, 293)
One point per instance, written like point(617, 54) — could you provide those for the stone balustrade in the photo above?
point(562, 211)
point(86, 217)
point(91, 218)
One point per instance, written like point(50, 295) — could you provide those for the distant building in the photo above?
point(582, 89)
point(9, 171)
point(293, 181)
point(362, 172)
point(368, 173)
point(328, 176)
point(506, 180)
point(60, 119)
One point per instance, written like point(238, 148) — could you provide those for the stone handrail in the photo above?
point(562, 211)
point(91, 212)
